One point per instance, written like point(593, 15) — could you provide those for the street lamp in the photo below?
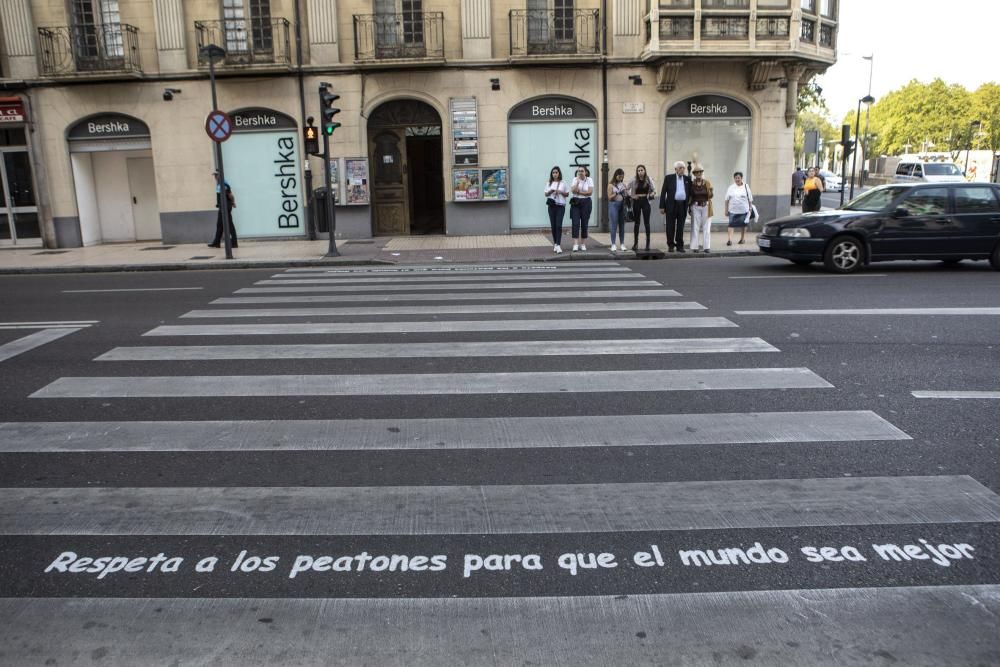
point(868, 111)
point(213, 53)
point(867, 99)
point(973, 130)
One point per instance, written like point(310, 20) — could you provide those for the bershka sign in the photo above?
point(261, 120)
point(709, 106)
point(552, 108)
point(108, 126)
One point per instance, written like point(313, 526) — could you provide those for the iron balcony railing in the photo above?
point(554, 32)
point(725, 27)
point(396, 36)
point(774, 27)
point(246, 41)
point(109, 48)
point(676, 27)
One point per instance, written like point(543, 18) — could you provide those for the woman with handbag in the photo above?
point(580, 207)
point(812, 191)
point(556, 192)
point(617, 192)
point(641, 190)
point(739, 207)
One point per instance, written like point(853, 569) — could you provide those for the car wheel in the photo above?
point(802, 262)
point(845, 254)
point(995, 258)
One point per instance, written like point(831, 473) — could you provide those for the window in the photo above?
point(926, 201)
point(942, 169)
point(904, 169)
point(918, 171)
point(828, 8)
point(875, 200)
point(809, 6)
point(975, 200)
point(241, 35)
point(97, 32)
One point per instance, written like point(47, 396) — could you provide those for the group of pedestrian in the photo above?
point(680, 197)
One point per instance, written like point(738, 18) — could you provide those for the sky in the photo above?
point(955, 40)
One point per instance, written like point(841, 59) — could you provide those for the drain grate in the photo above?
point(357, 242)
point(50, 252)
point(159, 247)
point(203, 257)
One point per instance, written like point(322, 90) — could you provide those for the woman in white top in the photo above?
point(580, 207)
point(739, 201)
point(556, 192)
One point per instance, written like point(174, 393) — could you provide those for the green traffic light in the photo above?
point(331, 127)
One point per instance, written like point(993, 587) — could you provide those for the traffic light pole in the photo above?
point(331, 209)
point(220, 197)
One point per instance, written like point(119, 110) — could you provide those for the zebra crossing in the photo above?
point(442, 568)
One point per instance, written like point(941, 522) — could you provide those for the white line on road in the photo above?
point(497, 273)
point(463, 350)
point(444, 434)
point(433, 384)
point(31, 341)
point(497, 510)
point(818, 275)
point(451, 268)
point(956, 394)
point(52, 323)
point(132, 289)
point(296, 328)
point(572, 306)
point(448, 296)
point(877, 311)
point(448, 279)
point(621, 282)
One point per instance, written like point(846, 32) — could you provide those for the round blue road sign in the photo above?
point(219, 126)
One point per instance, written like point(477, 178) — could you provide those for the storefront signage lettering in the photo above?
point(286, 175)
point(11, 110)
point(709, 106)
point(552, 109)
point(257, 119)
point(108, 126)
point(580, 153)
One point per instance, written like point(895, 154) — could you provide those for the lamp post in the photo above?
point(868, 111)
point(214, 53)
point(973, 129)
point(867, 99)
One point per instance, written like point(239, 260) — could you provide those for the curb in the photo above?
point(278, 264)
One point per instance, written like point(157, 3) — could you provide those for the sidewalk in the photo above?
point(153, 256)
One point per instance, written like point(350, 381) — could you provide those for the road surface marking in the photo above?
point(877, 311)
point(818, 275)
point(412, 384)
point(448, 434)
point(621, 282)
point(448, 296)
point(449, 280)
point(497, 510)
point(496, 273)
point(524, 348)
point(476, 268)
point(293, 328)
point(132, 289)
point(33, 340)
point(956, 394)
point(572, 306)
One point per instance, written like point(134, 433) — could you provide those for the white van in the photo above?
point(928, 172)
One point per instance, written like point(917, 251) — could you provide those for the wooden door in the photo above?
point(142, 187)
point(390, 197)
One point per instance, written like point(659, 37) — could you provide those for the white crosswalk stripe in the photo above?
point(621, 283)
point(452, 296)
point(447, 310)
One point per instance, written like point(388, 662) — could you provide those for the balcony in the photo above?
point(725, 27)
point(540, 32)
point(247, 41)
point(774, 28)
point(410, 35)
point(112, 48)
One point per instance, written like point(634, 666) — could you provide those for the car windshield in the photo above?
point(932, 169)
point(874, 200)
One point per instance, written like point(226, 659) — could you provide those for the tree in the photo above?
point(920, 117)
point(812, 114)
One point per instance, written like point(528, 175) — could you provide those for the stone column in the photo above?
point(19, 36)
point(171, 47)
point(626, 28)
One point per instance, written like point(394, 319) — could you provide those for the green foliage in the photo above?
point(933, 116)
point(812, 114)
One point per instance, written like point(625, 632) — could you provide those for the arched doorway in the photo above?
point(404, 147)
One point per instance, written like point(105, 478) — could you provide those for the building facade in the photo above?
point(453, 111)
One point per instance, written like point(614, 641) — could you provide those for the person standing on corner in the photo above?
point(580, 207)
point(230, 205)
point(641, 190)
point(556, 192)
point(798, 180)
point(675, 198)
point(701, 210)
point(812, 191)
point(738, 204)
point(617, 191)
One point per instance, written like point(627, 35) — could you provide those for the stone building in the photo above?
point(453, 111)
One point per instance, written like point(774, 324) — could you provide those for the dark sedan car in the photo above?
point(945, 221)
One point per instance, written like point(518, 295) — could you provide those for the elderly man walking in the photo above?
point(675, 198)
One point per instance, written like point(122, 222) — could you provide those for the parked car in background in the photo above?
point(928, 172)
point(831, 181)
point(945, 221)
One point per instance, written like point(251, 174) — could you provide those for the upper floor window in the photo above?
point(97, 31)
point(828, 8)
point(243, 35)
point(809, 6)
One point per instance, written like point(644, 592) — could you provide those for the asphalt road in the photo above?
point(502, 466)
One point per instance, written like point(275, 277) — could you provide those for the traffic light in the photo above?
point(846, 141)
point(328, 111)
point(311, 136)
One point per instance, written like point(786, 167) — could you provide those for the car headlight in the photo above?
point(796, 232)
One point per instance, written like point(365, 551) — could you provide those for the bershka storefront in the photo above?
point(543, 133)
point(263, 167)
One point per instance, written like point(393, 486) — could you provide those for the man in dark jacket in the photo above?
point(675, 198)
point(223, 193)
